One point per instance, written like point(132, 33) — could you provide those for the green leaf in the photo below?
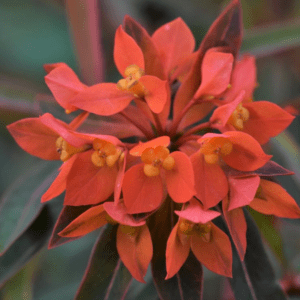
point(253, 278)
point(271, 234)
point(105, 276)
point(271, 39)
point(287, 147)
point(21, 203)
point(27, 245)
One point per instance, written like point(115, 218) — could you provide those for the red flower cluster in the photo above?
point(203, 170)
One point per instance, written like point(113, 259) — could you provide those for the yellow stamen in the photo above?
point(168, 163)
point(214, 147)
point(239, 117)
point(66, 150)
point(131, 83)
point(105, 153)
point(204, 230)
point(130, 230)
point(97, 160)
point(156, 157)
point(186, 227)
point(151, 170)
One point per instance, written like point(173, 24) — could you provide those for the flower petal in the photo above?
point(196, 214)
point(243, 78)
point(242, 190)
point(141, 193)
point(153, 64)
point(119, 213)
point(60, 182)
point(176, 253)
point(195, 114)
point(90, 220)
point(216, 73)
point(156, 92)
point(64, 84)
point(266, 120)
point(276, 201)
point(63, 130)
point(35, 138)
point(88, 184)
point(215, 255)
point(127, 52)
point(50, 67)
point(135, 250)
point(160, 141)
point(180, 180)
point(221, 115)
point(247, 154)
point(119, 179)
point(66, 216)
point(175, 41)
point(210, 181)
point(237, 226)
point(103, 99)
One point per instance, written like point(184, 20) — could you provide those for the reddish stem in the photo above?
point(197, 128)
point(148, 135)
point(177, 121)
point(79, 120)
point(159, 127)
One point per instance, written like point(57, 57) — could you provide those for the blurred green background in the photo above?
point(36, 32)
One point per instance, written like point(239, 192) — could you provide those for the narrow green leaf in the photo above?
point(271, 39)
point(105, 276)
point(21, 203)
point(253, 278)
point(287, 147)
point(26, 246)
point(270, 233)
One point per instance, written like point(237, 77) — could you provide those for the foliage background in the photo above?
point(35, 32)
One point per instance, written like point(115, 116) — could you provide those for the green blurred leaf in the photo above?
point(253, 278)
point(21, 203)
point(27, 245)
point(32, 34)
point(271, 39)
point(105, 276)
point(289, 150)
point(270, 233)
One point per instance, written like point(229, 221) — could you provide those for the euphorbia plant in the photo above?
point(170, 188)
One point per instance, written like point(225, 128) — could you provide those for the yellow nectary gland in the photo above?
point(131, 83)
point(186, 227)
point(214, 147)
point(238, 117)
point(156, 157)
point(105, 153)
point(204, 230)
point(66, 150)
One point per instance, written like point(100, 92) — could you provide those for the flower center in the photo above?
point(131, 83)
point(238, 117)
point(214, 147)
point(188, 228)
point(157, 157)
point(66, 150)
point(105, 153)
